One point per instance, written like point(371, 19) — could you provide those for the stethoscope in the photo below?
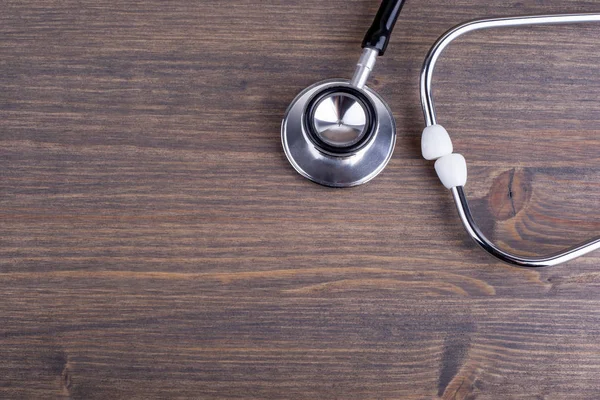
point(340, 133)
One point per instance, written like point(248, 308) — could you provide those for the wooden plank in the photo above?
point(155, 243)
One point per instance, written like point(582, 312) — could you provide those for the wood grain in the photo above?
point(155, 243)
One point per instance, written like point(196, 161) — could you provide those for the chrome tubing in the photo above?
point(458, 193)
point(364, 67)
point(464, 212)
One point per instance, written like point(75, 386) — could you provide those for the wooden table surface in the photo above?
point(155, 243)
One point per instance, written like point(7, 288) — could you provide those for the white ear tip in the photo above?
point(435, 142)
point(452, 170)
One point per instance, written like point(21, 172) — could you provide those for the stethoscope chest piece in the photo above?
point(340, 133)
point(337, 134)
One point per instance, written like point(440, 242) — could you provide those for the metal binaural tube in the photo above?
point(470, 26)
point(428, 105)
point(464, 212)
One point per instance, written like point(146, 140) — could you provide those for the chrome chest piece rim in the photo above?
point(338, 135)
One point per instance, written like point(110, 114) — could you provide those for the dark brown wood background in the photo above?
point(155, 243)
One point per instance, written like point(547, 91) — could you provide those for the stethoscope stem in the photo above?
point(364, 67)
point(376, 40)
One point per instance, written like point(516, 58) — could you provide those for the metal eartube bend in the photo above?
point(435, 144)
point(475, 233)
